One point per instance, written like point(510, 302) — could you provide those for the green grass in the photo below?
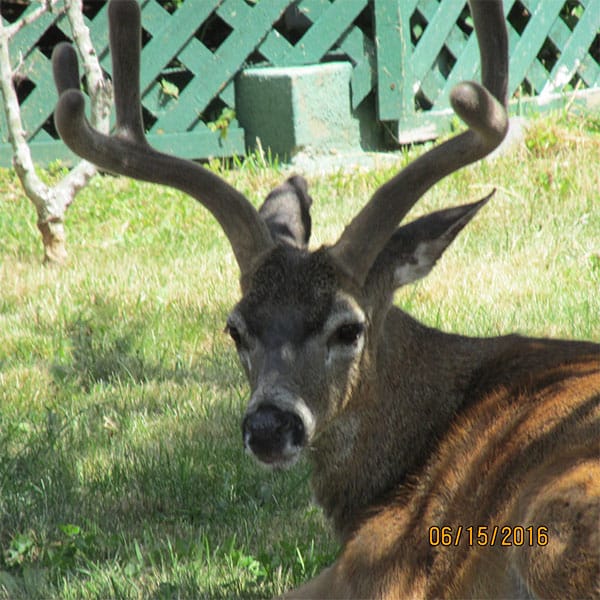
point(122, 473)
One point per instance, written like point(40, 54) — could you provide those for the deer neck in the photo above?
point(412, 392)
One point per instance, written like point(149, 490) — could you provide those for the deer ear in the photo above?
point(286, 212)
point(415, 248)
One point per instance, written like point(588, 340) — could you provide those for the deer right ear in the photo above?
point(414, 249)
point(286, 212)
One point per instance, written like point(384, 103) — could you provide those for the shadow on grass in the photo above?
point(187, 513)
point(165, 503)
point(105, 348)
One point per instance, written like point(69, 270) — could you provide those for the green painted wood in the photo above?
point(353, 42)
point(38, 106)
point(235, 13)
point(467, 64)
point(211, 77)
point(154, 16)
point(228, 94)
point(313, 9)
point(195, 56)
point(543, 15)
point(184, 145)
point(437, 30)
point(573, 54)
point(393, 43)
point(574, 48)
point(432, 85)
point(330, 23)
point(536, 75)
point(169, 34)
point(591, 71)
point(362, 50)
point(98, 33)
point(315, 43)
point(43, 153)
point(171, 38)
point(385, 63)
point(275, 48)
point(26, 38)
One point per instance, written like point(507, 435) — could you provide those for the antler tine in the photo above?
point(128, 153)
point(65, 68)
point(126, 46)
point(492, 38)
point(482, 108)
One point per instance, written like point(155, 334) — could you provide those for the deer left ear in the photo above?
point(286, 212)
point(414, 249)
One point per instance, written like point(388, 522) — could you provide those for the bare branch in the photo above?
point(99, 90)
point(36, 190)
point(51, 202)
point(11, 30)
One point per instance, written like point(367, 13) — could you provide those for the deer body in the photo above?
point(448, 466)
point(503, 450)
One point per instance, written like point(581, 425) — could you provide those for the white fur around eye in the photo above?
point(344, 352)
point(346, 311)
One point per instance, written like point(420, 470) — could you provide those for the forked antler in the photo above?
point(127, 152)
point(482, 108)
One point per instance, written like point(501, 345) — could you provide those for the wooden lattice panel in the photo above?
point(554, 47)
point(407, 53)
point(326, 29)
point(567, 39)
point(191, 53)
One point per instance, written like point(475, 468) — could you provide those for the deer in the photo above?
point(448, 466)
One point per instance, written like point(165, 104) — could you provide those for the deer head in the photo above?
point(310, 324)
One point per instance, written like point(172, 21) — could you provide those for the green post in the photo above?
point(393, 47)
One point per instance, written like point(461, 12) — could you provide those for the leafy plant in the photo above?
point(169, 89)
point(71, 546)
point(223, 122)
point(20, 549)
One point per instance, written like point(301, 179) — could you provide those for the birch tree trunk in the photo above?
point(51, 202)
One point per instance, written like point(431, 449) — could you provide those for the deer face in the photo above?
point(306, 330)
point(300, 336)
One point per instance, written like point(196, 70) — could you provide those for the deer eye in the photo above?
point(234, 334)
point(347, 334)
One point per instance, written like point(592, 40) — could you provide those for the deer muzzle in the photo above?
point(273, 435)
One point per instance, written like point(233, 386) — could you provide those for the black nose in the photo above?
point(272, 434)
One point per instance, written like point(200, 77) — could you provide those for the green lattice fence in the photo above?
point(554, 48)
point(405, 53)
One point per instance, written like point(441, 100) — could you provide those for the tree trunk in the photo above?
point(53, 237)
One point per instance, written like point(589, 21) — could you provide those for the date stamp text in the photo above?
point(489, 535)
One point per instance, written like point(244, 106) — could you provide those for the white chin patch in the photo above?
point(285, 462)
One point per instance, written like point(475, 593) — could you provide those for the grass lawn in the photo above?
point(122, 473)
